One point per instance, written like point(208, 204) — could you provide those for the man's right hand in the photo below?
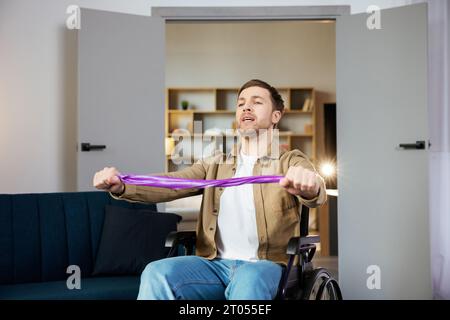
point(108, 180)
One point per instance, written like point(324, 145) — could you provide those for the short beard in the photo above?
point(250, 133)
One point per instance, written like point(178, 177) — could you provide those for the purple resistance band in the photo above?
point(181, 183)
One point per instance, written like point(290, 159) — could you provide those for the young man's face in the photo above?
point(255, 110)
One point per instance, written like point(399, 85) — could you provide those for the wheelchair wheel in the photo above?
point(320, 285)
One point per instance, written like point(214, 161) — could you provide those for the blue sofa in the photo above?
point(42, 234)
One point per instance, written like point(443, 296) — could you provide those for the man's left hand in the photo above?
point(301, 182)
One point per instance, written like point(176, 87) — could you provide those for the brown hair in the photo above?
point(277, 101)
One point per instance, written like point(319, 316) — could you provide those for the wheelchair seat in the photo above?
point(299, 280)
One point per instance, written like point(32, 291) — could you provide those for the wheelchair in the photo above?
point(299, 280)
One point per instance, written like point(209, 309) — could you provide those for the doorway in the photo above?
point(206, 63)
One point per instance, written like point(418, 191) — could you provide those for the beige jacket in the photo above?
point(277, 211)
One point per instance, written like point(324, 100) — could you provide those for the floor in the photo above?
point(329, 263)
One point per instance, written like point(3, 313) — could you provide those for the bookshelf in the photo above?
point(215, 109)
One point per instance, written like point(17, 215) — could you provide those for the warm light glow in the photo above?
point(327, 169)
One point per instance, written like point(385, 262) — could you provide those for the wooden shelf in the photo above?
point(179, 111)
point(202, 111)
point(201, 135)
point(298, 111)
point(281, 134)
point(216, 112)
point(302, 135)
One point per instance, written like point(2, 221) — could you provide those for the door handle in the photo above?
point(85, 146)
point(419, 145)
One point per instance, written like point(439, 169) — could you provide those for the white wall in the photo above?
point(37, 98)
point(284, 53)
point(37, 85)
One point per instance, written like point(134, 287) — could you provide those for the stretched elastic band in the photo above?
point(181, 183)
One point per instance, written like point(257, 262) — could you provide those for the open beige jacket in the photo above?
point(277, 211)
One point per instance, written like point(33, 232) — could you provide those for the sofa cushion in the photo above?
point(107, 288)
point(131, 239)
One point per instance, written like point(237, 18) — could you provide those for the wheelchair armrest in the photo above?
point(185, 238)
point(297, 245)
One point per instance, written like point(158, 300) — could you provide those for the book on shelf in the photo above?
point(307, 105)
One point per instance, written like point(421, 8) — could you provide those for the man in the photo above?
point(242, 231)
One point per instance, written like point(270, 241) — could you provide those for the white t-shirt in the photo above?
point(237, 234)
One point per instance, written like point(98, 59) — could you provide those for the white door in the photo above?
point(384, 249)
point(120, 94)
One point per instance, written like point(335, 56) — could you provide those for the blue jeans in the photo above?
point(197, 278)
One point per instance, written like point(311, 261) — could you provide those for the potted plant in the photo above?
point(184, 105)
